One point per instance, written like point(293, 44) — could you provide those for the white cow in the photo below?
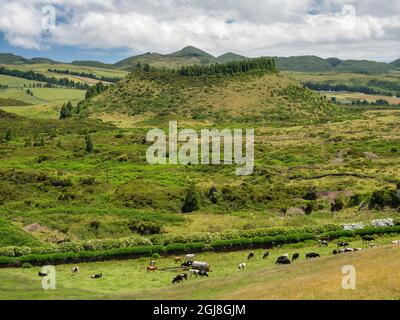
point(242, 266)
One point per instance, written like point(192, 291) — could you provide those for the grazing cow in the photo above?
point(42, 274)
point(312, 255)
point(282, 260)
point(323, 243)
point(97, 276)
point(189, 257)
point(203, 273)
point(266, 254)
point(75, 269)
point(342, 244)
point(295, 256)
point(242, 266)
point(152, 263)
point(187, 264)
point(179, 278)
point(151, 268)
point(395, 242)
point(368, 238)
point(177, 259)
point(251, 255)
point(335, 252)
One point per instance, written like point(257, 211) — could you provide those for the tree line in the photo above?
point(229, 68)
point(343, 87)
point(51, 81)
point(86, 75)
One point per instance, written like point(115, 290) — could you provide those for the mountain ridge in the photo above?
point(190, 55)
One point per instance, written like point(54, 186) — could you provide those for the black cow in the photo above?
point(282, 260)
point(97, 276)
point(312, 255)
point(203, 273)
point(295, 256)
point(251, 255)
point(179, 278)
point(324, 243)
point(187, 264)
point(368, 238)
point(266, 254)
point(42, 274)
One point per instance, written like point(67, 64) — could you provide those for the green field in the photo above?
point(319, 278)
point(316, 164)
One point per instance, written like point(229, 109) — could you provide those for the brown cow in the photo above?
point(177, 259)
point(151, 268)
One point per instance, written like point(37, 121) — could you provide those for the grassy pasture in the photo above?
point(318, 279)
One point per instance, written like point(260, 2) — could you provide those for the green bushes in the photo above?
point(10, 235)
point(261, 242)
point(360, 232)
point(145, 227)
point(384, 197)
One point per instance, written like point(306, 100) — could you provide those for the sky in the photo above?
point(110, 30)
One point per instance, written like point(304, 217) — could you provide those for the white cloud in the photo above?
point(280, 27)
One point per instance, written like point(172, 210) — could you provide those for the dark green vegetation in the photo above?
point(50, 81)
point(85, 74)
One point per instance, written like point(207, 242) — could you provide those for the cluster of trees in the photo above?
point(29, 92)
point(358, 102)
point(343, 87)
point(95, 90)
point(31, 75)
point(3, 86)
point(86, 75)
point(230, 68)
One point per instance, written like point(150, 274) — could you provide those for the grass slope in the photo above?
point(321, 278)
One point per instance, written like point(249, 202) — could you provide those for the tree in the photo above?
point(10, 135)
point(89, 143)
point(191, 202)
point(66, 110)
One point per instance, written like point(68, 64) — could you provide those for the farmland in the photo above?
point(317, 164)
point(319, 278)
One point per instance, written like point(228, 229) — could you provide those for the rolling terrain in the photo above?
point(78, 180)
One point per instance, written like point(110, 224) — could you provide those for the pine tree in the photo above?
point(89, 143)
point(191, 202)
point(66, 110)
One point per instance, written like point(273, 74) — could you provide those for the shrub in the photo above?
point(191, 202)
point(26, 265)
point(145, 227)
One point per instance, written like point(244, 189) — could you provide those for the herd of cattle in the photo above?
point(201, 269)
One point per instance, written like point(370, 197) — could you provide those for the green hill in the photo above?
point(396, 63)
point(230, 56)
point(363, 66)
point(41, 60)
point(190, 52)
point(94, 64)
point(256, 96)
point(9, 58)
point(303, 63)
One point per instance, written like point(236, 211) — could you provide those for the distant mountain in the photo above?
point(191, 56)
point(187, 56)
point(90, 63)
point(363, 66)
point(229, 57)
point(9, 58)
point(396, 63)
point(303, 64)
point(192, 52)
point(333, 61)
point(43, 60)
